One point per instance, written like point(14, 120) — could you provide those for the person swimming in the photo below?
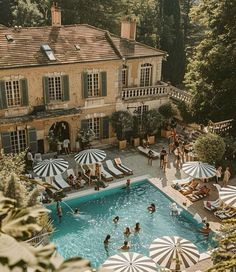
point(127, 232)
point(106, 242)
point(152, 208)
point(116, 219)
point(206, 230)
point(174, 209)
point(125, 246)
point(137, 228)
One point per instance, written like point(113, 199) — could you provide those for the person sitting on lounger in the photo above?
point(202, 191)
point(189, 188)
point(152, 208)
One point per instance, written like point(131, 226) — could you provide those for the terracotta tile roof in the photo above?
point(95, 45)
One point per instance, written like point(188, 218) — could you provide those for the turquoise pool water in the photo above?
point(84, 235)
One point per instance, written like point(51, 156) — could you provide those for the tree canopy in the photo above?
point(211, 73)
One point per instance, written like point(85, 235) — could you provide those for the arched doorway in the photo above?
point(58, 132)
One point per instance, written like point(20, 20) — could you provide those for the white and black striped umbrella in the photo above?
point(90, 156)
point(171, 251)
point(197, 169)
point(130, 262)
point(51, 167)
point(228, 195)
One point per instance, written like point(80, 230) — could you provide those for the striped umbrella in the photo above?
point(174, 252)
point(130, 262)
point(197, 169)
point(228, 195)
point(51, 167)
point(90, 156)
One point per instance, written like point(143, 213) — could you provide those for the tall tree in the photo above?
point(171, 40)
point(211, 73)
point(5, 12)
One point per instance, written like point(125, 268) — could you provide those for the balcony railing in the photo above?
point(158, 90)
point(139, 92)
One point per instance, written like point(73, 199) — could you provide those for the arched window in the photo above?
point(124, 76)
point(146, 75)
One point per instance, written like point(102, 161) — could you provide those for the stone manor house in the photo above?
point(63, 78)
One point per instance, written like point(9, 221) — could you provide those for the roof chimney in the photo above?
point(128, 28)
point(56, 15)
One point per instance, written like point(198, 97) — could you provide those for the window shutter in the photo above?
point(84, 124)
point(6, 142)
point(85, 84)
point(3, 97)
point(105, 127)
point(66, 89)
point(32, 140)
point(24, 92)
point(46, 90)
point(104, 83)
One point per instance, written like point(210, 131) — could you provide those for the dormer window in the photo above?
point(48, 51)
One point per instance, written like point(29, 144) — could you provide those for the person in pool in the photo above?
point(127, 232)
point(127, 185)
point(76, 211)
point(125, 246)
point(152, 208)
point(116, 219)
point(137, 228)
point(206, 230)
point(106, 242)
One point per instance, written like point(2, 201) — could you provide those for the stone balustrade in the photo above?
point(179, 95)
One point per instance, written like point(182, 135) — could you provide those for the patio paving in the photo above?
point(139, 163)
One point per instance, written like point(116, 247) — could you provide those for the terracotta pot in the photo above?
point(165, 133)
point(136, 141)
point(122, 144)
point(151, 139)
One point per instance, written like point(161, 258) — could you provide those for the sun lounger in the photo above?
point(196, 197)
point(59, 180)
point(126, 170)
point(225, 214)
point(111, 168)
point(106, 175)
point(212, 205)
point(70, 172)
point(146, 150)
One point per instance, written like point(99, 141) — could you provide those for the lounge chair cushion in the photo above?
point(146, 150)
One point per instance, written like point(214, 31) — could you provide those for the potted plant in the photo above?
point(168, 112)
point(136, 131)
point(84, 138)
point(121, 122)
point(152, 121)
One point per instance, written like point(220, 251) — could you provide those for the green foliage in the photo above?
point(210, 148)
point(121, 122)
point(224, 257)
point(185, 112)
point(152, 121)
point(171, 40)
point(85, 137)
point(167, 110)
point(210, 72)
point(136, 126)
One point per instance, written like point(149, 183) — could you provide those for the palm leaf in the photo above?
point(76, 264)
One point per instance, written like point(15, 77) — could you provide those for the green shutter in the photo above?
point(104, 83)
point(24, 92)
point(66, 89)
point(32, 140)
point(84, 124)
point(46, 90)
point(85, 84)
point(3, 97)
point(6, 142)
point(105, 127)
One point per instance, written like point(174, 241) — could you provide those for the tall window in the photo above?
point(124, 76)
point(55, 88)
point(18, 141)
point(146, 75)
point(13, 93)
point(94, 124)
point(93, 84)
point(140, 111)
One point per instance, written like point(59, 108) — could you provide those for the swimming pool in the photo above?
point(84, 235)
